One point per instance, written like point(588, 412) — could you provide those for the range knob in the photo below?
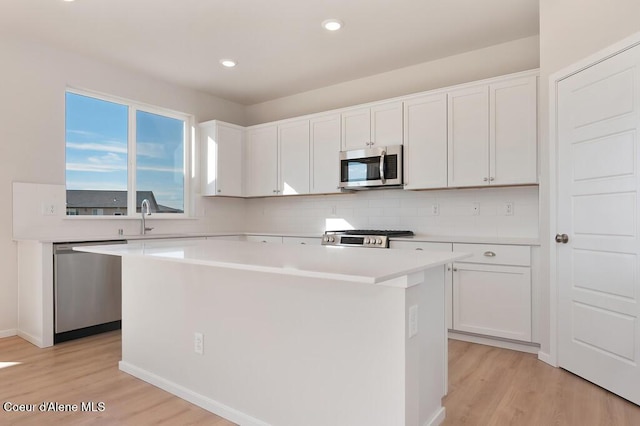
point(379, 241)
point(367, 240)
point(331, 239)
point(325, 239)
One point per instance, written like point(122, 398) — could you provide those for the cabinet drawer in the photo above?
point(420, 245)
point(309, 241)
point(495, 254)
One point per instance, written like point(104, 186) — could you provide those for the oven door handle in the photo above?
point(383, 154)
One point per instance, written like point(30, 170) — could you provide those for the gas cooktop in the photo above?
point(375, 238)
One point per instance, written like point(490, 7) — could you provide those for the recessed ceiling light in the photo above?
point(68, 1)
point(229, 63)
point(332, 24)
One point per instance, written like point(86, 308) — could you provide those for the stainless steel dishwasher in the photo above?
point(87, 291)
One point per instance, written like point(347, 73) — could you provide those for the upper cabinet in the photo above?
point(222, 151)
point(471, 135)
point(425, 142)
point(293, 158)
point(492, 137)
point(513, 132)
point(379, 125)
point(278, 159)
point(325, 148)
point(262, 161)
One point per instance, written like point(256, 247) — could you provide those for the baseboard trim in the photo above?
point(8, 333)
point(30, 338)
point(531, 348)
point(437, 418)
point(195, 398)
point(545, 357)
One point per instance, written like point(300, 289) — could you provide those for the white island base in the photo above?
point(284, 349)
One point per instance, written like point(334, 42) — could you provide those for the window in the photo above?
point(119, 153)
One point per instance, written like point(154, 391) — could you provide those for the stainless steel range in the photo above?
point(362, 237)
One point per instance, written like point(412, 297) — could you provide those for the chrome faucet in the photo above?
point(143, 227)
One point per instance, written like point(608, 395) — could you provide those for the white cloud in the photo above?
point(150, 149)
point(96, 167)
point(160, 169)
point(117, 147)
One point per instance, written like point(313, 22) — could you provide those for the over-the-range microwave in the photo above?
point(371, 168)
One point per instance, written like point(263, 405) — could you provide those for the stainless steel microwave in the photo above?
point(371, 168)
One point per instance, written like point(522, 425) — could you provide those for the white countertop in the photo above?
point(364, 265)
point(527, 241)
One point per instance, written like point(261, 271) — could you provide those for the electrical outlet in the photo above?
point(435, 209)
point(198, 343)
point(48, 209)
point(507, 209)
point(413, 320)
point(475, 209)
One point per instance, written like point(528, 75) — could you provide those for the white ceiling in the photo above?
point(279, 45)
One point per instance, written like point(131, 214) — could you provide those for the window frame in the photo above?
point(188, 160)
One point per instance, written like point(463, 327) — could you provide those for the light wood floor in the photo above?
point(488, 386)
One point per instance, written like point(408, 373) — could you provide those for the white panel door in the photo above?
point(262, 161)
point(229, 159)
point(325, 150)
point(468, 137)
point(598, 119)
point(425, 142)
point(293, 149)
point(386, 124)
point(356, 129)
point(513, 132)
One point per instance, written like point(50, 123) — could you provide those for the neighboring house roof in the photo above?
point(95, 199)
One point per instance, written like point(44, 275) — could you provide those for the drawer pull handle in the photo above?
point(489, 254)
point(419, 248)
point(455, 269)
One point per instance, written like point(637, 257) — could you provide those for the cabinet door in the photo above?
point(262, 161)
point(513, 131)
point(468, 137)
point(325, 150)
point(492, 300)
point(425, 142)
point(356, 129)
point(386, 124)
point(293, 150)
point(229, 160)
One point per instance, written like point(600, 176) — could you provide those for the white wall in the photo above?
point(513, 56)
point(398, 209)
point(33, 79)
point(569, 31)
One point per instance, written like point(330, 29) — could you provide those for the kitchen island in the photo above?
point(288, 335)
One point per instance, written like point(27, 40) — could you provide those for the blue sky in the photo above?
point(96, 149)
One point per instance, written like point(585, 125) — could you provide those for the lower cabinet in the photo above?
point(492, 291)
point(488, 293)
point(492, 300)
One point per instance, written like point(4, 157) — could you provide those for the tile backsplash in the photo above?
point(482, 212)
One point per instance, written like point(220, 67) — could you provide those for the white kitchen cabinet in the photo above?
point(468, 136)
point(425, 142)
point(492, 138)
point(278, 159)
point(262, 161)
point(448, 277)
point(222, 151)
point(293, 158)
point(370, 127)
point(325, 150)
point(513, 131)
point(492, 291)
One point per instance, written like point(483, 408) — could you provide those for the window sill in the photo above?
point(151, 218)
